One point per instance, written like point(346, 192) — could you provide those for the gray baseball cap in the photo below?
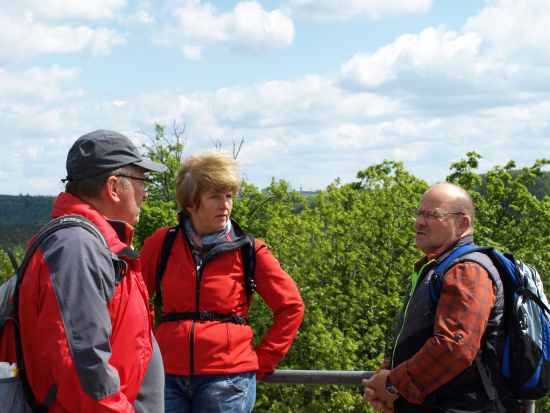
point(102, 151)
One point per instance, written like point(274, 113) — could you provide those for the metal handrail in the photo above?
point(347, 378)
point(335, 377)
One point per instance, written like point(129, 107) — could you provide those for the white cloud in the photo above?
point(192, 52)
point(322, 10)
point(27, 33)
point(500, 52)
point(69, 10)
point(37, 84)
point(248, 28)
point(424, 99)
point(34, 151)
point(141, 17)
point(433, 54)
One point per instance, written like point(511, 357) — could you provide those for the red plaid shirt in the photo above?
point(467, 297)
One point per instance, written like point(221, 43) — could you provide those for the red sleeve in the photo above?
point(385, 366)
point(150, 258)
point(280, 293)
point(56, 353)
point(467, 298)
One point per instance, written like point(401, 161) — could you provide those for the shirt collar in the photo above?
point(435, 254)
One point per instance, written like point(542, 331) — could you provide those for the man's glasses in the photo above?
point(144, 182)
point(430, 215)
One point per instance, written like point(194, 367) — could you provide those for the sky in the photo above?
point(319, 89)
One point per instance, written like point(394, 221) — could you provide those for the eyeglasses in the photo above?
point(144, 182)
point(430, 215)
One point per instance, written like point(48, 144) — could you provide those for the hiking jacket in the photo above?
point(82, 329)
point(213, 347)
point(415, 327)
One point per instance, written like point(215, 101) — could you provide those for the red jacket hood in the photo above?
point(67, 204)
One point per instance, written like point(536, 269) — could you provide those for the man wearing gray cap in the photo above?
point(85, 318)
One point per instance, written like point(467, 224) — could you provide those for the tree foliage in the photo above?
point(508, 216)
point(351, 250)
point(350, 262)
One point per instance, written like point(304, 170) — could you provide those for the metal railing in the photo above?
point(343, 378)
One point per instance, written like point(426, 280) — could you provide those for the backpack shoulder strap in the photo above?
point(435, 281)
point(53, 226)
point(169, 239)
point(248, 251)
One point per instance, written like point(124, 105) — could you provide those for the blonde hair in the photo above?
point(212, 169)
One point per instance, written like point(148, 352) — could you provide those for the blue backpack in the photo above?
point(525, 367)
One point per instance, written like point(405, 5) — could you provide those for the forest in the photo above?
point(351, 253)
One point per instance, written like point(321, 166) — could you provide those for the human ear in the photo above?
point(113, 189)
point(464, 224)
point(191, 210)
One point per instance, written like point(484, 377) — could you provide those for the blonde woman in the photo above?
point(207, 268)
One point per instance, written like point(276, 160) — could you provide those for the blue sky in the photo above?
point(319, 88)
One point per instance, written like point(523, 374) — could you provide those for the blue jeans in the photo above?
point(211, 393)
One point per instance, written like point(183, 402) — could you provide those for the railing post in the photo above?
point(527, 406)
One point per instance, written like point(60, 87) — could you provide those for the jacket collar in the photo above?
point(113, 231)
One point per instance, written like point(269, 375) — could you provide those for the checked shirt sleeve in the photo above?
point(467, 298)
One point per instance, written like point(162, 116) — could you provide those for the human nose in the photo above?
point(225, 203)
point(421, 220)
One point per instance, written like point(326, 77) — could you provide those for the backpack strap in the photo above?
point(504, 395)
point(53, 226)
point(435, 281)
point(45, 406)
point(169, 239)
point(13, 261)
point(249, 266)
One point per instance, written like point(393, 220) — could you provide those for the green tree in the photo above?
point(161, 207)
point(508, 217)
point(351, 258)
point(6, 267)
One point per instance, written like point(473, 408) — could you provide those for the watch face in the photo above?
point(392, 390)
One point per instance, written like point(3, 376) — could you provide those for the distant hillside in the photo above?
point(25, 210)
point(21, 217)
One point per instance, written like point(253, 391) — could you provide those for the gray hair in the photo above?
point(91, 187)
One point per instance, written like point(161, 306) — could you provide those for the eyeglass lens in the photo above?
point(428, 215)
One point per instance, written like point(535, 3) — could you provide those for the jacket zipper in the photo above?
point(209, 257)
point(413, 290)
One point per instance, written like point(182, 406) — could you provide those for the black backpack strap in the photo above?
point(45, 406)
point(205, 315)
point(164, 255)
point(504, 394)
point(53, 226)
point(13, 261)
point(249, 266)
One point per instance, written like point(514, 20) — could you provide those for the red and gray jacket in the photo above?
point(214, 347)
point(82, 329)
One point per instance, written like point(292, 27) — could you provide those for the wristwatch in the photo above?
point(390, 389)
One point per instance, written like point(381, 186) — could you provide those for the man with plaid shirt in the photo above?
point(432, 366)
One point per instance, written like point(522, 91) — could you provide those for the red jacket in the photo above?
point(214, 347)
point(82, 328)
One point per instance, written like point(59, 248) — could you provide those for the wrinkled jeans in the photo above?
point(210, 393)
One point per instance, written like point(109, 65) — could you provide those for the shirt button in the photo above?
point(460, 336)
